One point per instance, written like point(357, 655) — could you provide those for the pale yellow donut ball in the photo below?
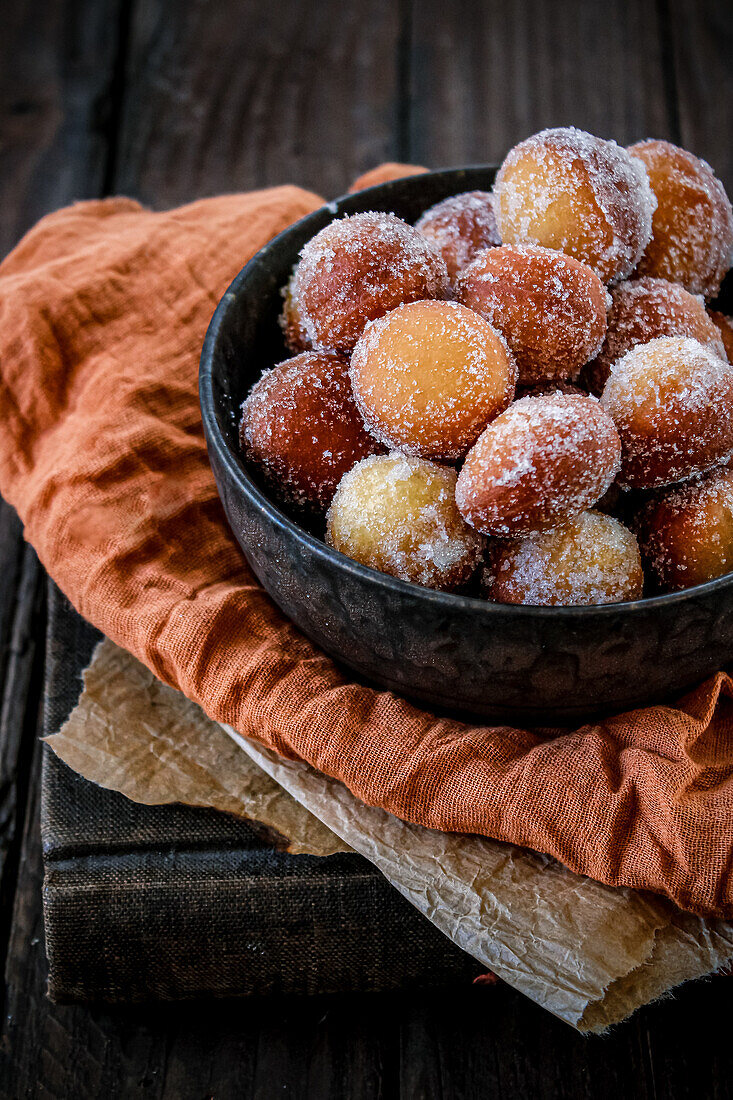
point(398, 514)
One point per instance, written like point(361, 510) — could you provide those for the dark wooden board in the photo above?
point(168, 101)
point(241, 95)
point(484, 75)
point(58, 118)
point(701, 53)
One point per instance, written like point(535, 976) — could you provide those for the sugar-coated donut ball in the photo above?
point(543, 460)
point(398, 514)
point(591, 559)
point(358, 268)
point(460, 226)
point(429, 376)
point(550, 308)
point(672, 403)
point(692, 228)
point(643, 309)
point(291, 323)
point(300, 426)
point(724, 326)
point(568, 190)
point(686, 532)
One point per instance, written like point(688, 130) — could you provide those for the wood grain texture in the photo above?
point(241, 95)
point(491, 1042)
point(484, 75)
point(701, 34)
point(170, 100)
point(11, 557)
point(22, 685)
point(56, 81)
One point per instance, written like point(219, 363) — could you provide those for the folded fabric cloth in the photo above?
point(103, 309)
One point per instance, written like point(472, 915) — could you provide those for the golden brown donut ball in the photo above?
point(398, 514)
point(643, 309)
point(672, 403)
point(300, 426)
point(591, 559)
point(550, 308)
point(724, 326)
point(429, 376)
point(458, 227)
point(692, 228)
point(686, 532)
point(358, 268)
point(568, 190)
point(291, 323)
point(543, 460)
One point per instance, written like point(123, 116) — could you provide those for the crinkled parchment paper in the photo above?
point(587, 953)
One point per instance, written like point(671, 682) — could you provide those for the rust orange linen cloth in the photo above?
point(103, 309)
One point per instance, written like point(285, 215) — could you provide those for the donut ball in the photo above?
point(458, 227)
point(643, 309)
point(692, 228)
point(550, 308)
point(291, 323)
point(591, 559)
point(429, 376)
point(672, 403)
point(359, 268)
point(398, 514)
point(300, 426)
point(686, 532)
point(543, 460)
point(724, 326)
point(574, 192)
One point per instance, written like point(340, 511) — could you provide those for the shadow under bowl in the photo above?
point(522, 665)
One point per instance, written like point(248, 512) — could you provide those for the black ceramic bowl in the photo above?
point(517, 664)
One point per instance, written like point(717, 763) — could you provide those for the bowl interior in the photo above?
point(244, 339)
point(254, 342)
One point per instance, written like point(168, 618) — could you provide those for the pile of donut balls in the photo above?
point(523, 396)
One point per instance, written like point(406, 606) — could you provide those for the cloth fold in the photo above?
point(103, 309)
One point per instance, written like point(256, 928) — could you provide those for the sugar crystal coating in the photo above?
point(397, 513)
point(568, 190)
point(672, 402)
point(692, 228)
point(357, 269)
point(460, 226)
point(291, 322)
point(545, 459)
point(550, 308)
point(643, 309)
point(300, 426)
point(429, 376)
point(445, 322)
point(686, 532)
point(591, 559)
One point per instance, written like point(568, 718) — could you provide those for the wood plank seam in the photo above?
point(116, 95)
point(19, 722)
point(669, 70)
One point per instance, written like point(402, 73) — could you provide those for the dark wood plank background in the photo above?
point(167, 100)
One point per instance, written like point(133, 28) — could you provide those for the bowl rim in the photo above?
point(451, 601)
